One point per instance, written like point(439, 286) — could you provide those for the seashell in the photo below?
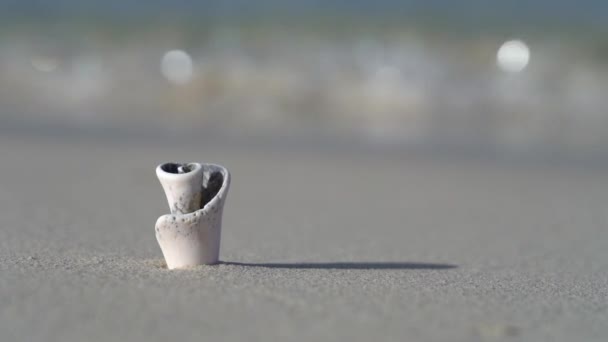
point(196, 193)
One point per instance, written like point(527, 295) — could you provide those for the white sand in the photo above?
point(79, 261)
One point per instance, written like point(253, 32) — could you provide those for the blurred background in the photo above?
point(519, 77)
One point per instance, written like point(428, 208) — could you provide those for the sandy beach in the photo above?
point(317, 245)
point(401, 170)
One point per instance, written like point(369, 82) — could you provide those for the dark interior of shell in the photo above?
point(176, 168)
point(211, 186)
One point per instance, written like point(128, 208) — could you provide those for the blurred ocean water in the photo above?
point(515, 75)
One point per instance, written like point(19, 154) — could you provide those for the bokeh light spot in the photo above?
point(44, 63)
point(513, 56)
point(177, 67)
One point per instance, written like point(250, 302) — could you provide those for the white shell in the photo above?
point(190, 235)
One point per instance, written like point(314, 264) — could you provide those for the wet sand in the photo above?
point(317, 245)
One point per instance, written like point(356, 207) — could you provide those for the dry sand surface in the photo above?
point(317, 245)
